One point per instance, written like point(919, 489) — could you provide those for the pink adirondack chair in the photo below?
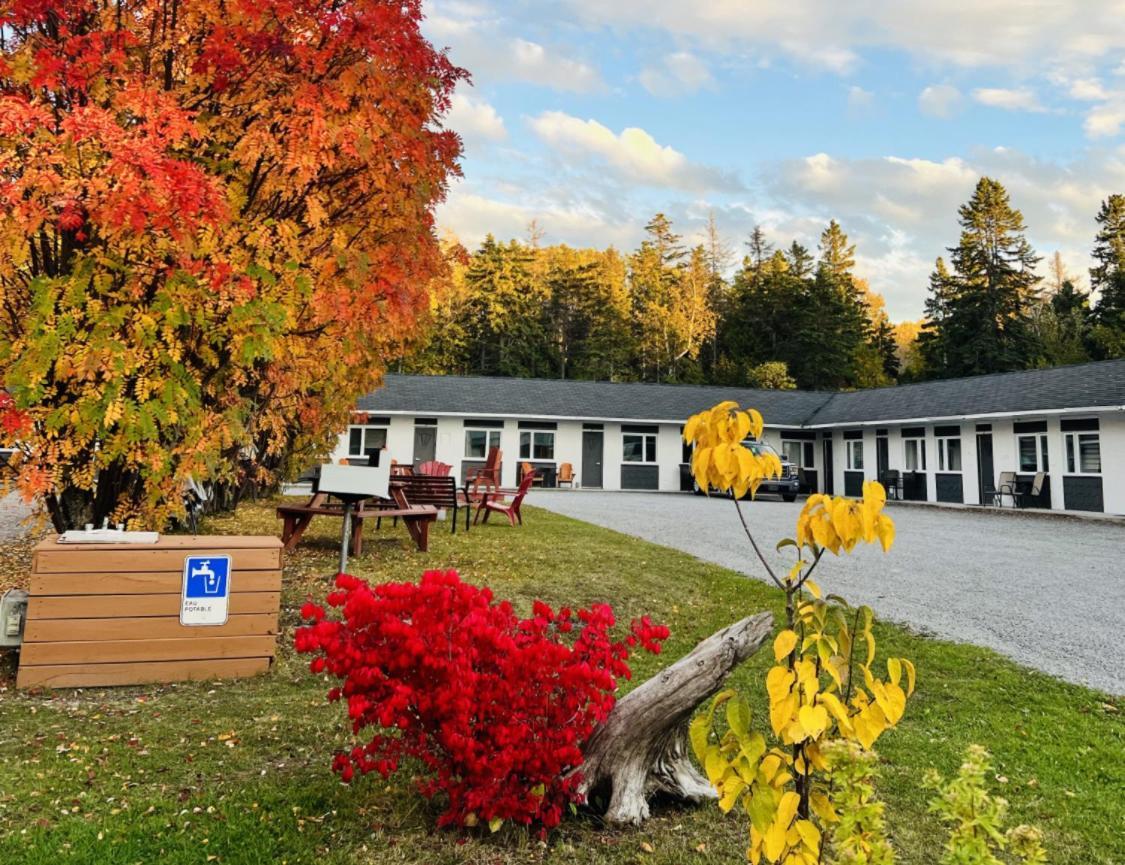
point(434, 468)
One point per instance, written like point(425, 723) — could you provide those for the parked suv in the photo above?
point(785, 486)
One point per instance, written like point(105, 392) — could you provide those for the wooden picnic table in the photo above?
point(416, 518)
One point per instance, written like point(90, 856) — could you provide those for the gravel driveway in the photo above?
point(1046, 591)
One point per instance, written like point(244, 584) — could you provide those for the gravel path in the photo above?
point(1047, 591)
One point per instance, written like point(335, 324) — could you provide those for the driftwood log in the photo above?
point(642, 748)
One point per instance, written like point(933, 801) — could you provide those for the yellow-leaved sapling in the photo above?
point(828, 700)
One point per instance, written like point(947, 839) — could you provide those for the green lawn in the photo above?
point(237, 772)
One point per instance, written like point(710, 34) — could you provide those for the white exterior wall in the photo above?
point(450, 448)
point(1112, 429)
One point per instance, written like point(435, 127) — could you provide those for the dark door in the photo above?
point(986, 476)
point(425, 444)
point(829, 473)
point(882, 458)
point(592, 458)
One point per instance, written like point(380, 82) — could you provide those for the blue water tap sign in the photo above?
point(206, 595)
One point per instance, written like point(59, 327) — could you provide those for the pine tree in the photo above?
point(986, 327)
point(759, 249)
point(799, 259)
point(836, 254)
point(932, 336)
point(1107, 277)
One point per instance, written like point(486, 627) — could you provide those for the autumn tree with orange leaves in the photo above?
point(216, 225)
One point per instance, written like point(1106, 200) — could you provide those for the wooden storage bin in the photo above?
point(108, 614)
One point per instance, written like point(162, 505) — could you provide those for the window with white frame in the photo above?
point(800, 453)
point(949, 454)
point(537, 445)
point(914, 453)
point(364, 438)
point(478, 442)
point(1083, 453)
point(854, 454)
point(638, 447)
point(1032, 450)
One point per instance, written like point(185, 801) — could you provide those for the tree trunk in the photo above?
point(642, 748)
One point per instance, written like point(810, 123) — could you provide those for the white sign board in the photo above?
point(206, 595)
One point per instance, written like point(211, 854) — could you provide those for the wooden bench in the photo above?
point(416, 518)
point(437, 490)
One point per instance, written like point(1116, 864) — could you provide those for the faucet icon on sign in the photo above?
point(210, 578)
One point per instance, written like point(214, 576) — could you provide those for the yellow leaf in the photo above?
point(495, 823)
point(813, 588)
point(784, 643)
point(894, 669)
point(813, 720)
point(810, 835)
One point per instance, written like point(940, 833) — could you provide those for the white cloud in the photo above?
point(633, 153)
point(486, 45)
point(474, 118)
point(860, 99)
point(968, 33)
point(1106, 119)
point(939, 100)
point(1021, 99)
point(678, 73)
point(1087, 90)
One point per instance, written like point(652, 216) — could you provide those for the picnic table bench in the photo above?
point(416, 518)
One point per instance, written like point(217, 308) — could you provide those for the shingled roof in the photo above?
point(481, 396)
point(1089, 385)
point(1085, 385)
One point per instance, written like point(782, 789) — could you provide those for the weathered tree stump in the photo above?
point(642, 749)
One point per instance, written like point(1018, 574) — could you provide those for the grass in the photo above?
point(237, 772)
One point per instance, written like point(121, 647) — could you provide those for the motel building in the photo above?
point(948, 441)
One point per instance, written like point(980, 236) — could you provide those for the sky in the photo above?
point(589, 117)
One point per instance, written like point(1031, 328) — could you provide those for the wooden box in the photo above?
point(109, 614)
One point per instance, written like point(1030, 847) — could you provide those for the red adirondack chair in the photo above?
point(509, 509)
point(434, 468)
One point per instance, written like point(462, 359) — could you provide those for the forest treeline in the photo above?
point(777, 317)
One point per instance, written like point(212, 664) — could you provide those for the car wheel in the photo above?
point(695, 489)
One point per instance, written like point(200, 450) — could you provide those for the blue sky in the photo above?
point(589, 117)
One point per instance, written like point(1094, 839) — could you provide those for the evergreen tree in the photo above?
point(800, 260)
point(1107, 278)
point(986, 327)
point(932, 335)
point(758, 248)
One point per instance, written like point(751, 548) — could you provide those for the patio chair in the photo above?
point(1007, 485)
point(892, 483)
point(566, 475)
point(509, 509)
point(526, 469)
point(434, 469)
point(1025, 493)
point(489, 474)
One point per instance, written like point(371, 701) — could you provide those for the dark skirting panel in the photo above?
point(1083, 493)
point(949, 488)
point(643, 477)
point(1043, 500)
point(808, 481)
point(914, 486)
point(853, 484)
point(687, 482)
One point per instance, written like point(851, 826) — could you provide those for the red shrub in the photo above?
point(494, 706)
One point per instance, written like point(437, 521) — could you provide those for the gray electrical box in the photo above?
point(13, 613)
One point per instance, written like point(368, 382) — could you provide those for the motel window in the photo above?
point(949, 455)
point(1083, 453)
point(855, 455)
point(537, 445)
point(800, 453)
point(362, 439)
point(915, 453)
point(1033, 453)
point(638, 447)
point(478, 442)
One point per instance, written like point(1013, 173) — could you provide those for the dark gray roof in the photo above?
point(1085, 385)
point(588, 400)
point(1088, 385)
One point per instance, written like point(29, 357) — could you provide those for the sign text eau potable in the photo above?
point(206, 593)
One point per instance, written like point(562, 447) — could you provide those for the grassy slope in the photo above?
point(239, 770)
